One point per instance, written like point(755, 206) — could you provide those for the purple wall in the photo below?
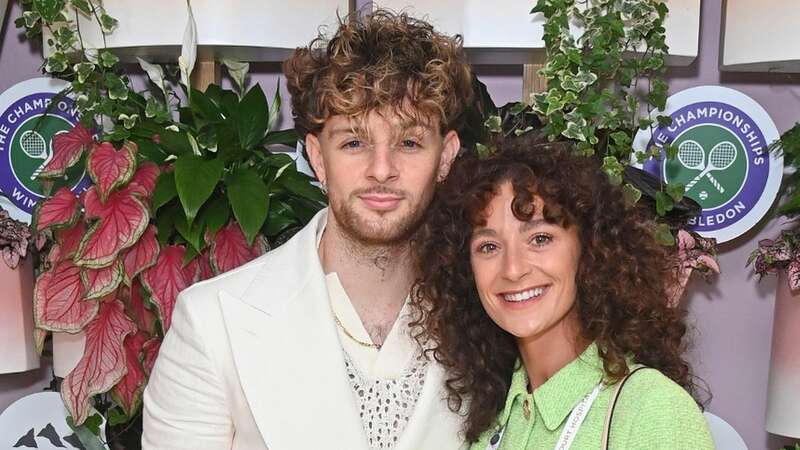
point(732, 318)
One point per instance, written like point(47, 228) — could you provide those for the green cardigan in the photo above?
point(652, 412)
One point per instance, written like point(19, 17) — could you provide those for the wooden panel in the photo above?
point(532, 82)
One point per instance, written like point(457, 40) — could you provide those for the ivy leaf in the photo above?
point(664, 203)
point(108, 59)
point(107, 23)
point(49, 10)
point(663, 235)
point(483, 151)
point(117, 90)
point(631, 194)
point(664, 121)
point(116, 417)
point(84, 71)
point(82, 6)
point(676, 191)
point(493, 124)
point(613, 169)
point(56, 63)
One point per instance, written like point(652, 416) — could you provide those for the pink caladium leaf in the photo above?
point(144, 180)
point(110, 168)
point(165, 280)
point(137, 309)
point(57, 296)
point(122, 220)
point(39, 336)
point(69, 239)
point(127, 393)
point(191, 271)
point(142, 255)
point(150, 350)
point(103, 363)
point(206, 272)
point(229, 248)
point(67, 150)
point(101, 282)
point(62, 209)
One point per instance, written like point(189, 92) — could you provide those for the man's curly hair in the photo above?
point(622, 280)
point(384, 60)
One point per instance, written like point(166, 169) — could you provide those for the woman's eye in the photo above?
point(541, 239)
point(487, 248)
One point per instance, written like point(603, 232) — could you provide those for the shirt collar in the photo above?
point(558, 396)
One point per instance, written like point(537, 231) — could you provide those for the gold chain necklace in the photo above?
point(347, 333)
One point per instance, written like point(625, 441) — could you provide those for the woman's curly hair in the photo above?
point(622, 280)
point(381, 60)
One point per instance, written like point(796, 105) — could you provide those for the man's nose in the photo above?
point(383, 167)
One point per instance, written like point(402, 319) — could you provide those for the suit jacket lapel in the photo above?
point(287, 352)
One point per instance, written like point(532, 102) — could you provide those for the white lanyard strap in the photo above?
point(575, 420)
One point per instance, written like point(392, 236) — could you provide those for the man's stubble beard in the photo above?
point(368, 234)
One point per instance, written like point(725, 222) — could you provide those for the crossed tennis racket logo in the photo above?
point(693, 157)
point(35, 146)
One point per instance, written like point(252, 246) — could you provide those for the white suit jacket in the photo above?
point(252, 361)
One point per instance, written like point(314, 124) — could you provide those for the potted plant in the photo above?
point(16, 277)
point(182, 190)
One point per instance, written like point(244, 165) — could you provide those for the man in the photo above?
point(309, 346)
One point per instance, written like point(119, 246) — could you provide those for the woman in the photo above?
point(541, 292)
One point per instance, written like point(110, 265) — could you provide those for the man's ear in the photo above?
point(315, 157)
point(450, 148)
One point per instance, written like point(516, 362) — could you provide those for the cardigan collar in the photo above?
point(558, 396)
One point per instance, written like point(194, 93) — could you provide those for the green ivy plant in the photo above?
point(603, 86)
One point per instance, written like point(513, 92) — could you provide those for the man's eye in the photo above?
point(355, 143)
point(410, 144)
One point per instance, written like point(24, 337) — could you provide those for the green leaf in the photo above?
point(116, 417)
point(275, 107)
point(284, 137)
point(117, 89)
point(84, 71)
point(237, 70)
point(165, 221)
point(93, 423)
point(195, 180)
point(215, 214)
point(192, 233)
point(631, 194)
point(108, 59)
point(671, 150)
point(494, 124)
point(253, 114)
point(202, 105)
point(89, 440)
point(56, 63)
point(165, 190)
point(300, 184)
point(676, 191)
point(663, 235)
point(107, 23)
point(483, 150)
point(82, 6)
point(49, 10)
point(249, 198)
point(664, 203)
point(613, 169)
point(174, 142)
